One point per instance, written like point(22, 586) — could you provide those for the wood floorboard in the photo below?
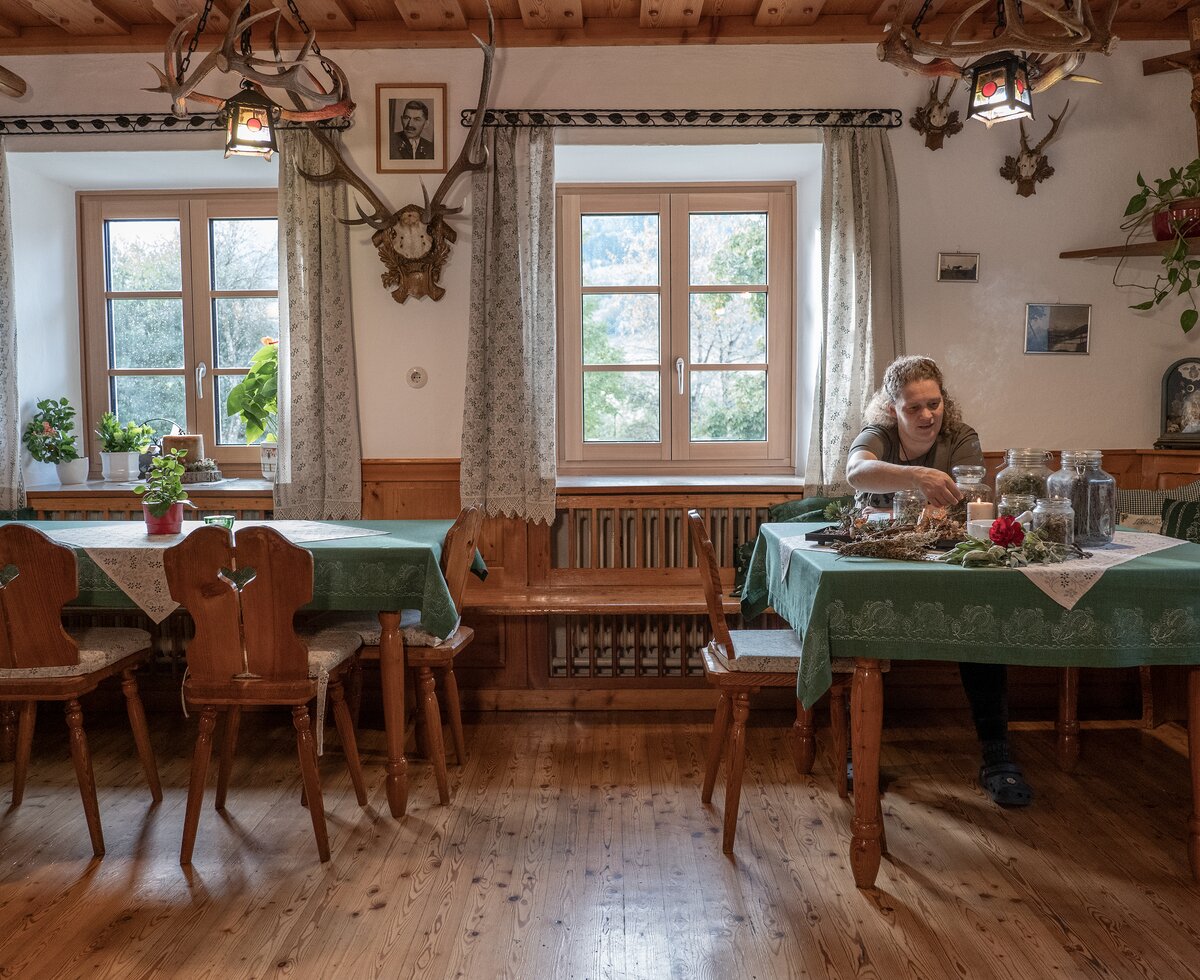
point(576, 846)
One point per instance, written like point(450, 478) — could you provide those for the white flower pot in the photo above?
point(270, 461)
point(75, 471)
point(120, 467)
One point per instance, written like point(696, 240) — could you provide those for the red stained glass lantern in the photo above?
point(250, 124)
point(1000, 89)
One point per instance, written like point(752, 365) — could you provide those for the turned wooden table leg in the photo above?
point(866, 727)
point(805, 747)
point(1068, 718)
point(391, 674)
point(1194, 756)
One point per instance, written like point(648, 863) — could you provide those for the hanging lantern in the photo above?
point(1000, 89)
point(249, 124)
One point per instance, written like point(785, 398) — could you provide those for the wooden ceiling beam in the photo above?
point(788, 13)
point(670, 13)
point(9, 29)
point(432, 15)
point(553, 14)
point(320, 15)
point(887, 10)
point(78, 17)
point(176, 10)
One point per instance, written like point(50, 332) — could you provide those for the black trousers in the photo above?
point(986, 687)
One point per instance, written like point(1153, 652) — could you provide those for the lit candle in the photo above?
point(193, 445)
point(980, 510)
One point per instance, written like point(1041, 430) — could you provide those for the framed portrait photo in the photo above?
point(958, 267)
point(410, 129)
point(1057, 328)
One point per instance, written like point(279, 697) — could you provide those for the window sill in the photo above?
point(608, 483)
point(237, 486)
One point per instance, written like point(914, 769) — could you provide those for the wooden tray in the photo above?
point(834, 535)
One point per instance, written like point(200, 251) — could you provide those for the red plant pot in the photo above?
point(1184, 215)
point(170, 523)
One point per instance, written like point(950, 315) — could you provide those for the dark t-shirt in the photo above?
point(958, 447)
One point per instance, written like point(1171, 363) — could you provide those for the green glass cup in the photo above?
point(221, 520)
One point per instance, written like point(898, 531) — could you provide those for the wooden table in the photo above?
point(384, 573)
point(1146, 611)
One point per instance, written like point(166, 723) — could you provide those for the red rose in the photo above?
point(1007, 532)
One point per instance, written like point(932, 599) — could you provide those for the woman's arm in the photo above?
point(867, 472)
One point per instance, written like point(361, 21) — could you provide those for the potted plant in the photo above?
point(49, 440)
point(255, 400)
point(121, 447)
point(1170, 207)
point(163, 495)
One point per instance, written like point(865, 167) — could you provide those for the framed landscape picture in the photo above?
point(1057, 328)
point(410, 133)
point(958, 267)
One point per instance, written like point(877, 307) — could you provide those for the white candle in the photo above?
point(980, 510)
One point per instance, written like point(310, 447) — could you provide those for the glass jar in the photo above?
point(1054, 519)
point(1093, 496)
point(1025, 473)
point(971, 485)
point(907, 506)
point(1015, 504)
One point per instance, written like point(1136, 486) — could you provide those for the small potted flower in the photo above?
point(163, 495)
point(255, 400)
point(121, 447)
point(49, 439)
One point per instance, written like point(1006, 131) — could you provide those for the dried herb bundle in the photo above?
point(898, 540)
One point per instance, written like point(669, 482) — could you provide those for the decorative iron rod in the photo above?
point(685, 118)
point(131, 122)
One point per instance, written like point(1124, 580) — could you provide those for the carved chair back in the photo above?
point(710, 578)
point(37, 578)
point(242, 590)
point(458, 551)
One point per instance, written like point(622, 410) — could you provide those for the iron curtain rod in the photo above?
point(687, 118)
point(130, 122)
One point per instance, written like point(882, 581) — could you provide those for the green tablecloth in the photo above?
point(392, 571)
point(1146, 611)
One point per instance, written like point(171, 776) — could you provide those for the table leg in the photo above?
point(391, 674)
point(1068, 718)
point(1194, 756)
point(866, 727)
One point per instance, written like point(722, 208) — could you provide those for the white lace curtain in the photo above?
point(320, 449)
point(12, 484)
point(508, 443)
point(863, 328)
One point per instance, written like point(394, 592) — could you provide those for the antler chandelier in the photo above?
point(1014, 57)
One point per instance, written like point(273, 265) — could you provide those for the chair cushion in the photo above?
point(369, 630)
point(1151, 501)
point(761, 651)
point(99, 647)
point(328, 648)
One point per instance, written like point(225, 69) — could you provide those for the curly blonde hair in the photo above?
point(904, 371)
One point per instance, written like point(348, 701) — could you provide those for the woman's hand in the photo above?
point(938, 487)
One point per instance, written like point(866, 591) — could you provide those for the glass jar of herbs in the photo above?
point(1025, 473)
point(1015, 504)
point(1054, 520)
point(971, 485)
point(1093, 496)
point(907, 506)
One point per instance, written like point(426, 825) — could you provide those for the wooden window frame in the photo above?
point(193, 210)
point(674, 203)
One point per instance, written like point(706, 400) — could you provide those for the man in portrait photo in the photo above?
point(408, 128)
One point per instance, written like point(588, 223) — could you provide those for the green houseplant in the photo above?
point(49, 439)
point(163, 495)
point(1170, 206)
point(121, 446)
point(255, 400)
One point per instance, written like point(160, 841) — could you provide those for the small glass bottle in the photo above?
point(1025, 473)
point(971, 485)
point(1015, 504)
point(1054, 520)
point(907, 506)
point(1093, 496)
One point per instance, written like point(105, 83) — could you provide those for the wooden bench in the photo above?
point(613, 600)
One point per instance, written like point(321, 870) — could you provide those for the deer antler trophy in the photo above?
point(1029, 167)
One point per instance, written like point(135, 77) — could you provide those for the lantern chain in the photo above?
point(316, 48)
point(195, 41)
point(916, 24)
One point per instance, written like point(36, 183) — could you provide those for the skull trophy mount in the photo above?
point(1030, 166)
point(935, 120)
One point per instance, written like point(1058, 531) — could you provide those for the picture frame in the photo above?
point(958, 267)
point(1058, 328)
point(400, 147)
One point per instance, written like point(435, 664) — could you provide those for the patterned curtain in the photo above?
point(508, 445)
point(320, 450)
point(863, 329)
point(12, 484)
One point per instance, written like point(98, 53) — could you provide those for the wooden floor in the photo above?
point(576, 847)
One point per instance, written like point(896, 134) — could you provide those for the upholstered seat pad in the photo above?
point(369, 630)
point(328, 648)
point(99, 647)
point(768, 651)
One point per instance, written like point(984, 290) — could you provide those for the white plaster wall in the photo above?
point(950, 200)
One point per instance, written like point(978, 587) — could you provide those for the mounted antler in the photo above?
point(1030, 166)
point(935, 120)
point(414, 242)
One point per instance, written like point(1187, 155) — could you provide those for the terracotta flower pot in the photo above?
point(1183, 214)
point(170, 523)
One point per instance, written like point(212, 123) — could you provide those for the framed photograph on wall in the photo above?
point(1057, 328)
point(958, 267)
point(410, 129)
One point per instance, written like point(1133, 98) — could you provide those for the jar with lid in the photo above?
point(1015, 504)
point(1093, 496)
point(1054, 520)
point(971, 485)
point(907, 506)
point(1025, 473)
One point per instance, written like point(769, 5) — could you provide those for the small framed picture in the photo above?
point(1057, 328)
point(958, 267)
point(410, 129)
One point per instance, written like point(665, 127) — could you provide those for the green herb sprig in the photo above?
point(1034, 550)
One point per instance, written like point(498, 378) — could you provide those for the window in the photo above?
point(675, 327)
point(179, 289)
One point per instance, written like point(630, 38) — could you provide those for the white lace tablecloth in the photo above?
point(133, 559)
point(1069, 582)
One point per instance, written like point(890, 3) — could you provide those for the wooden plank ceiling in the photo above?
point(69, 26)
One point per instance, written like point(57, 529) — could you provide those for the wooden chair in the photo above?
point(426, 653)
point(41, 661)
point(739, 663)
point(243, 594)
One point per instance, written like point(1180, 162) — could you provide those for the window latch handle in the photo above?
point(201, 371)
point(679, 372)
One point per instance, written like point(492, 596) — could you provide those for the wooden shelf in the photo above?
point(1115, 251)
